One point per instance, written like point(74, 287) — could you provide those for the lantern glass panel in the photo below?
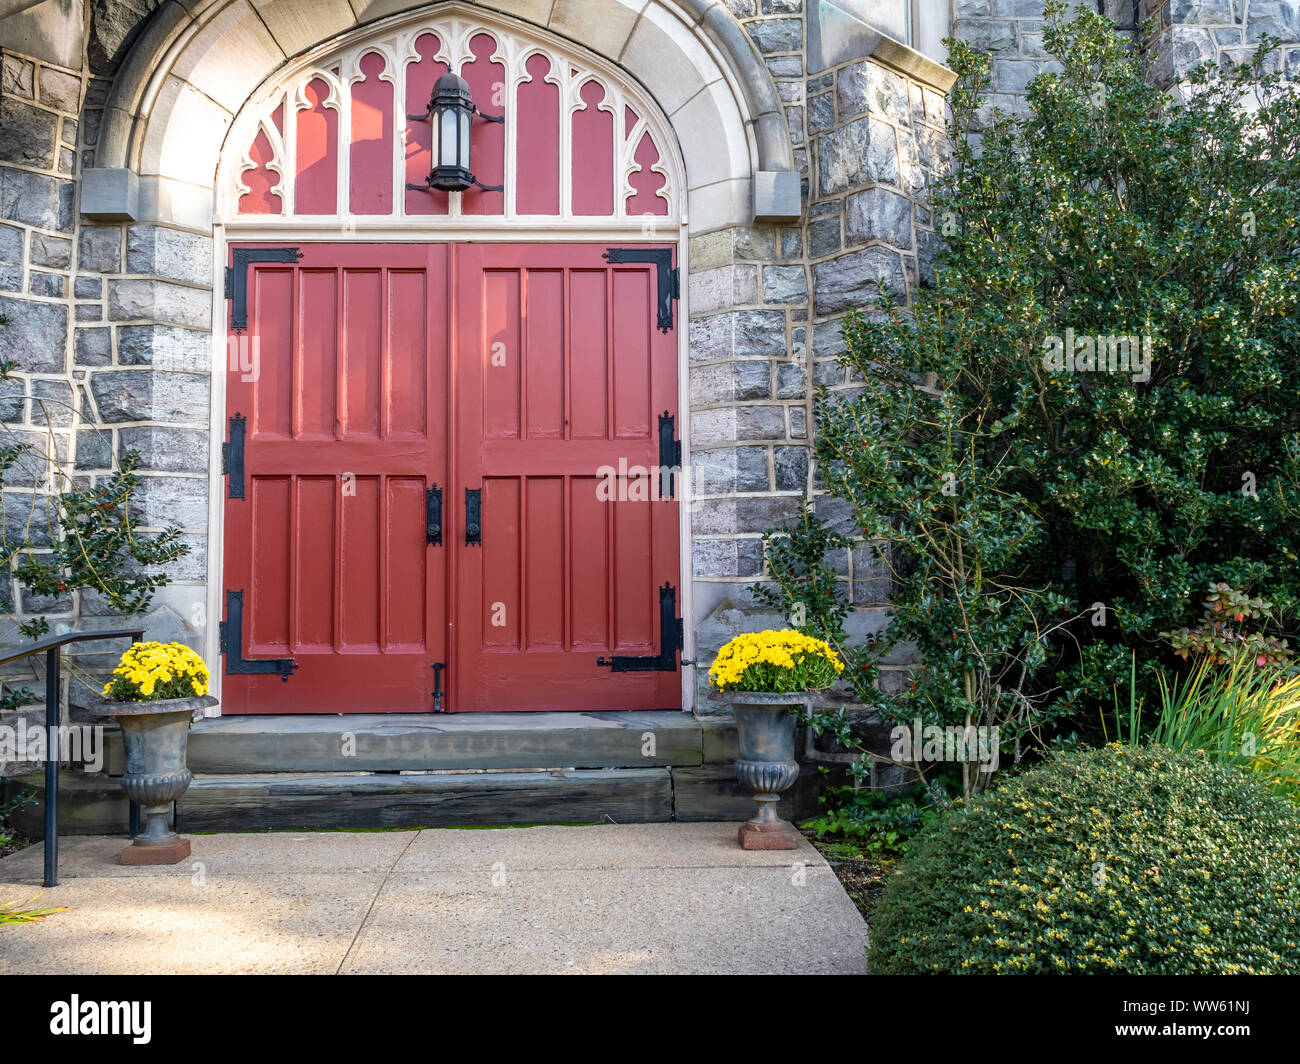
point(464, 137)
point(449, 151)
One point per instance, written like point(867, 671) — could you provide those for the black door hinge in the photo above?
point(670, 641)
point(669, 287)
point(237, 278)
point(232, 456)
point(670, 456)
point(230, 638)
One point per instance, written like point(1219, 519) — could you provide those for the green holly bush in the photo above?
point(1093, 413)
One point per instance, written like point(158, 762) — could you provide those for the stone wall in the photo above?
point(110, 358)
point(1190, 32)
point(767, 304)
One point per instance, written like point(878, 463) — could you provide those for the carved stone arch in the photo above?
point(197, 62)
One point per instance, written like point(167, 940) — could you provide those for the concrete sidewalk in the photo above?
point(660, 898)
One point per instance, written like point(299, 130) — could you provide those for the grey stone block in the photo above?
point(165, 347)
point(929, 246)
point(94, 449)
point(824, 237)
point(828, 339)
point(821, 113)
point(837, 513)
point(150, 395)
point(36, 200)
point(27, 519)
point(763, 513)
point(90, 312)
point(132, 299)
point(877, 214)
point(856, 279)
point(738, 334)
point(48, 285)
point(871, 577)
point(729, 469)
point(1276, 18)
point(784, 284)
point(11, 246)
point(167, 450)
point(13, 401)
point(51, 403)
point(727, 557)
point(791, 380)
point(827, 373)
point(866, 86)
point(179, 502)
point(753, 243)
point(89, 288)
point(60, 91)
point(760, 422)
point(35, 336)
point(860, 153)
point(712, 337)
point(27, 134)
point(776, 34)
point(52, 251)
point(169, 253)
point(785, 66)
point(791, 466)
point(99, 249)
point(17, 76)
point(798, 423)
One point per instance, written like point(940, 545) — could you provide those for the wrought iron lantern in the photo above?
point(452, 110)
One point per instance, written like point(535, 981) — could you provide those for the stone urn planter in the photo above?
point(155, 736)
point(153, 694)
point(762, 675)
point(765, 730)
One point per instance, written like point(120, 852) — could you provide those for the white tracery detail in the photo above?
point(340, 69)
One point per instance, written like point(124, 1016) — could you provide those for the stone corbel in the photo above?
point(110, 194)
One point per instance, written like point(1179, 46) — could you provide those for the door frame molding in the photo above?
point(225, 234)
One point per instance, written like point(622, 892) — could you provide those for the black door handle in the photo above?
point(433, 516)
point(473, 517)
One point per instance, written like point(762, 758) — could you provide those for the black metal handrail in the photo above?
point(50, 645)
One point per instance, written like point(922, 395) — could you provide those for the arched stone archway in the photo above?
point(196, 64)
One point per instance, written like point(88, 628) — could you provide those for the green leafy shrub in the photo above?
point(1040, 524)
point(1121, 859)
point(1220, 639)
point(877, 821)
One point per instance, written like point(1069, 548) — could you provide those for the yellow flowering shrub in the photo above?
point(153, 672)
point(775, 661)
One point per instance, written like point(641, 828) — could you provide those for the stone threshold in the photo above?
point(388, 742)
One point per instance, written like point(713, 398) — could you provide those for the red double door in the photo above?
point(442, 455)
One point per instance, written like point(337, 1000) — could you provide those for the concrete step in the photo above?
point(95, 805)
point(458, 799)
point(386, 742)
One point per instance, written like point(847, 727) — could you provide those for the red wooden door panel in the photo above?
point(342, 377)
point(560, 377)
